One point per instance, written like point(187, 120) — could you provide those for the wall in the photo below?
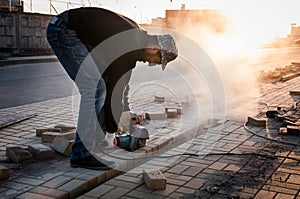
point(23, 34)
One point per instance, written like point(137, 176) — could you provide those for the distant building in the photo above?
point(294, 36)
point(185, 18)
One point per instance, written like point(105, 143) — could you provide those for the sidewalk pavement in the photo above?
point(212, 176)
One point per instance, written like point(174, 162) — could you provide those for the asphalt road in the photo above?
point(28, 83)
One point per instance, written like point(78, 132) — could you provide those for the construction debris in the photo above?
point(4, 173)
point(154, 180)
point(62, 146)
point(256, 121)
point(40, 151)
point(17, 154)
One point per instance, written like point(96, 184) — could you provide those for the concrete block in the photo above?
point(292, 130)
point(17, 154)
point(65, 127)
point(4, 173)
point(62, 146)
point(171, 113)
point(41, 151)
point(256, 121)
point(39, 132)
point(294, 92)
point(159, 99)
point(178, 109)
point(49, 136)
point(156, 116)
point(154, 180)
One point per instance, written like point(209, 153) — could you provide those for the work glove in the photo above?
point(110, 139)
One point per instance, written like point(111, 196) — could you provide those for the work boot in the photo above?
point(92, 163)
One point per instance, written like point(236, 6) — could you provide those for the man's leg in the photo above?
point(71, 52)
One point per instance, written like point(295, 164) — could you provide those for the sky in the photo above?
point(271, 16)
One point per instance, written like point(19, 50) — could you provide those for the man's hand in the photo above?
point(111, 140)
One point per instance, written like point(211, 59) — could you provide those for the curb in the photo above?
point(9, 62)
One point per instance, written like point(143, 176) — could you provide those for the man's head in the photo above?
point(161, 50)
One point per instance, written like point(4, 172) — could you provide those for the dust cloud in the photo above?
point(230, 51)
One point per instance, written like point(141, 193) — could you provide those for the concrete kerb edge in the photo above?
point(26, 61)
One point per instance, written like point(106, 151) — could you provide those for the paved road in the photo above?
point(29, 83)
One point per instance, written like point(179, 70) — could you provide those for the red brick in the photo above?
point(39, 132)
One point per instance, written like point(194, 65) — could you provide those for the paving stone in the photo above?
point(256, 121)
point(178, 169)
point(62, 145)
point(50, 136)
point(195, 183)
point(115, 193)
point(169, 189)
point(40, 151)
point(284, 196)
point(33, 196)
point(294, 179)
point(17, 154)
point(192, 171)
point(57, 181)
point(154, 179)
point(99, 191)
point(171, 113)
point(142, 195)
point(65, 127)
point(49, 192)
point(4, 173)
point(218, 165)
point(29, 181)
point(156, 116)
point(75, 187)
point(40, 131)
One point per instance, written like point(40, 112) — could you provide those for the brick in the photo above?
point(32, 195)
point(294, 92)
point(62, 146)
point(294, 179)
point(39, 132)
point(154, 180)
point(4, 173)
point(17, 154)
point(75, 187)
point(171, 113)
point(118, 192)
point(99, 191)
point(159, 99)
point(179, 110)
point(41, 151)
point(256, 121)
point(156, 116)
point(282, 131)
point(65, 127)
point(50, 192)
point(49, 136)
point(292, 130)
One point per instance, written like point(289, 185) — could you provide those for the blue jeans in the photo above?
point(71, 52)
